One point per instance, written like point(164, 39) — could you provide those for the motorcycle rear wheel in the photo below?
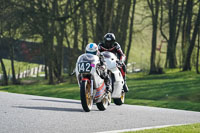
point(104, 102)
point(120, 101)
point(86, 97)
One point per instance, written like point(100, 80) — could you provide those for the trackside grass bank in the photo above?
point(174, 89)
point(193, 128)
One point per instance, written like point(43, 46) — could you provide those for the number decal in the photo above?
point(88, 67)
point(81, 67)
point(84, 67)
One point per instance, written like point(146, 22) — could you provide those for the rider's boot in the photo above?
point(108, 88)
point(125, 87)
point(123, 71)
point(108, 84)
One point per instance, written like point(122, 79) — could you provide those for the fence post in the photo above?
point(18, 76)
point(38, 71)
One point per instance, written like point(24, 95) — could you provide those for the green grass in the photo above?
point(193, 128)
point(179, 90)
point(174, 89)
point(40, 87)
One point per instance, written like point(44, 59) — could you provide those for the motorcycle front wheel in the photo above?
point(120, 101)
point(86, 97)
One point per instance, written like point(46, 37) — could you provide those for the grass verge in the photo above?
point(174, 89)
point(193, 128)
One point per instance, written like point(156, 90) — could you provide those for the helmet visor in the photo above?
point(94, 53)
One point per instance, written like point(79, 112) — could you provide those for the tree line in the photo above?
point(73, 24)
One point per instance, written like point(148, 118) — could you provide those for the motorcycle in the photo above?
point(92, 86)
point(112, 62)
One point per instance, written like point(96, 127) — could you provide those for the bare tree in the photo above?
point(187, 65)
point(131, 31)
point(154, 7)
point(100, 11)
point(122, 32)
point(84, 27)
point(117, 18)
point(175, 19)
point(5, 77)
point(198, 47)
point(108, 16)
point(11, 47)
point(10, 24)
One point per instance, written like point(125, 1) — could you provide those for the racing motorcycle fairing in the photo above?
point(118, 81)
point(86, 70)
point(100, 93)
point(86, 66)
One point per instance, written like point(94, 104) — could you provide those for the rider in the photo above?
point(92, 48)
point(109, 44)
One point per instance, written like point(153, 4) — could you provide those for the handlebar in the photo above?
point(73, 73)
point(119, 63)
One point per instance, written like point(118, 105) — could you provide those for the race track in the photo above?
point(35, 114)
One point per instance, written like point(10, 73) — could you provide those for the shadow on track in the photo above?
point(50, 108)
point(49, 100)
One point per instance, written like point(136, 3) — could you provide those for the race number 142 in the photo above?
point(84, 67)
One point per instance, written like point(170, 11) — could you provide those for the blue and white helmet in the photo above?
point(92, 48)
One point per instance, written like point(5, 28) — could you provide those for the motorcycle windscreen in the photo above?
point(110, 60)
point(106, 54)
point(87, 58)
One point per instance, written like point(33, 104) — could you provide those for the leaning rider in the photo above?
point(92, 48)
point(109, 44)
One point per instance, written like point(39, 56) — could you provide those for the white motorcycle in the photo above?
point(92, 86)
point(118, 95)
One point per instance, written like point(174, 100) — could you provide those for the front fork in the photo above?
point(92, 87)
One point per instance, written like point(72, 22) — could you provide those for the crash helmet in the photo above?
point(109, 40)
point(92, 48)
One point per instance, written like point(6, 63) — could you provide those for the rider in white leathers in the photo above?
point(92, 48)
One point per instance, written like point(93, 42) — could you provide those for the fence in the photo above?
point(132, 69)
point(33, 72)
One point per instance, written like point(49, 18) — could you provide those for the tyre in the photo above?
point(86, 98)
point(104, 102)
point(119, 101)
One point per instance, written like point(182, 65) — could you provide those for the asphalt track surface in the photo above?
point(35, 114)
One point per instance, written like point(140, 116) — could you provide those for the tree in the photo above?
point(5, 77)
point(11, 48)
point(122, 31)
point(100, 11)
point(59, 53)
point(84, 27)
point(131, 31)
point(187, 65)
point(175, 19)
point(11, 23)
point(198, 47)
point(154, 7)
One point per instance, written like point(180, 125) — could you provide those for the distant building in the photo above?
point(26, 51)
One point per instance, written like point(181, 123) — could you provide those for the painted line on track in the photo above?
point(143, 128)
